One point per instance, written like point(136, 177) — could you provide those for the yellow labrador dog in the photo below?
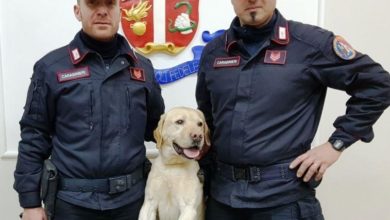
point(173, 189)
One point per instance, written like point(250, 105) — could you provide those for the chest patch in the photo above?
point(73, 74)
point(275, 56)
point(226, 62)
point(137, 74)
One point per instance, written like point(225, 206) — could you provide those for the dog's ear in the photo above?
point(157, 133)
point(206, 131)
point(207, 142)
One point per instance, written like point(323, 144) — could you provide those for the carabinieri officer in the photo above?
point(262, 87)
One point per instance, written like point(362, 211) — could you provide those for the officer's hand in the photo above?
point(34, 214)
point(315, 162)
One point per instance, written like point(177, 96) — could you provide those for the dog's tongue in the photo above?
point(191, 152)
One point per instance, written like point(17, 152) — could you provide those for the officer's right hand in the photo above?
point(34, 214)
point(315, 162)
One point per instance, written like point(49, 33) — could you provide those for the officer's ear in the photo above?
point(158, 132)
point(76, 11)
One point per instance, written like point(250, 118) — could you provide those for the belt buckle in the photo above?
point(255, 174)
point(117, 184)
point(240, 173)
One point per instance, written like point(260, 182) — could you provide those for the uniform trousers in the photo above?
point(307, 208)
point(67, 211)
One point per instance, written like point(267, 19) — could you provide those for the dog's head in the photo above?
point(181, 134)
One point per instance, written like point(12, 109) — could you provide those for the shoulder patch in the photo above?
point(343, 49)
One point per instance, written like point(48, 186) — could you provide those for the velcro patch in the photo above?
point(275, 56)
point(137, 74)
point(343, 49)
point(73, 74)
point(226, 62)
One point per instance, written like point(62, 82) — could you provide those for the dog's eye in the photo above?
point(179, 122)
point(200, 124)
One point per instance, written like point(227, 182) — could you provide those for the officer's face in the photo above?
point(254, 12)
point(99, 18)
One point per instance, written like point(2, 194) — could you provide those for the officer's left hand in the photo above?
point(315, 162)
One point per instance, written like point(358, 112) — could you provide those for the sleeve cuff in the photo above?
point(30, 200)
point(347, 139)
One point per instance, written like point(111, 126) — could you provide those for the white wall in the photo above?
point(8, 201)
point(2, 125)
point(353, 189)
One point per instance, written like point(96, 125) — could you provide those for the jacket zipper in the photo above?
point(91, 125)
point(128, 107)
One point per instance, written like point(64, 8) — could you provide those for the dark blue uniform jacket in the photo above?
point(265, 109)
point(91, 118)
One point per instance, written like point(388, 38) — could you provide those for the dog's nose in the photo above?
point(196, 137)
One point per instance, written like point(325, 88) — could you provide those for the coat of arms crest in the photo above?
point(139, 24)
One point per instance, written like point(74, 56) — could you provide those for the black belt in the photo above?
point(255, 173)
point(110, 185)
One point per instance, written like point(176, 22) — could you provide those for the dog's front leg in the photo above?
point(148, 211)
point(188, 213)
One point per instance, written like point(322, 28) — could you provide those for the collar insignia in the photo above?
point(282, 33)
point(76, 54)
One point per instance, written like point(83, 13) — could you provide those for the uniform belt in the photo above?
point(109, 185)
point(255, 173)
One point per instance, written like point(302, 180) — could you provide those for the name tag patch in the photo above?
point(137, 74)
point(74, 74)
point(275, 56)
point(226, 62)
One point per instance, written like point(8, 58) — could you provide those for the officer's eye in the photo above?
point(179, 122)
point(200, 124)
point(111, 2)
point(92, 2)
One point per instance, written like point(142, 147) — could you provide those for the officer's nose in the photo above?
point(102, 11)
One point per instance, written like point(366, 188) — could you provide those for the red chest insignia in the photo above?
point(171, 34)
point(275, 56)
point(137, 74)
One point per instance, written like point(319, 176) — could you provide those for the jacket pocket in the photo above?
point(135, 108)
point(35, 105)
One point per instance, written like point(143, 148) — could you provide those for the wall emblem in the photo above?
point(138, 24)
